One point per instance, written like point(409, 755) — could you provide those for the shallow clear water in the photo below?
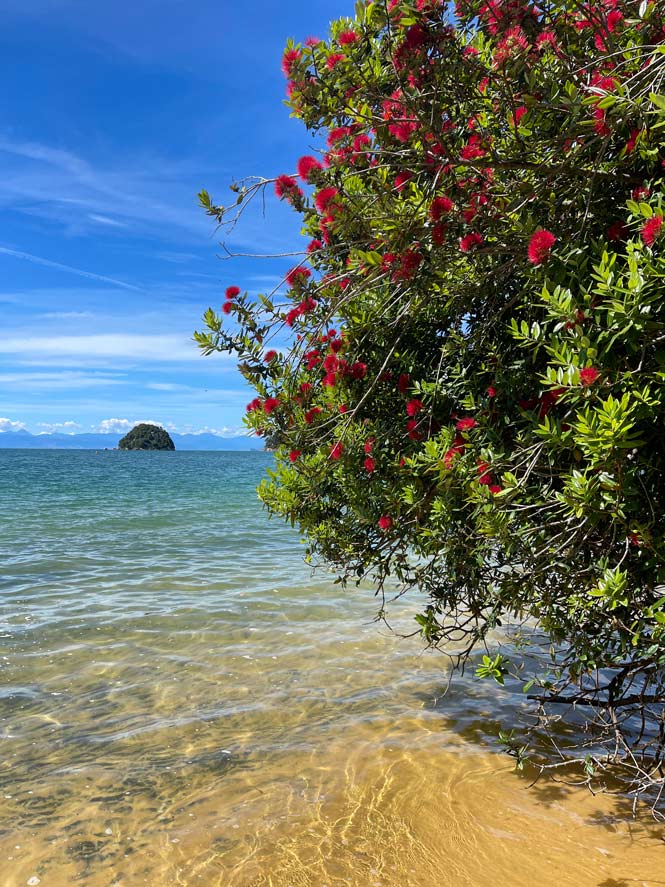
point(182, 702)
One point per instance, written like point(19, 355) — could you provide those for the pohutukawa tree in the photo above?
point(466, 376)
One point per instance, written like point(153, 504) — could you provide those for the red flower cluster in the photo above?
point(286, 188)
point(336, 450)
point(306, 166)
point(289, 59)
point(334, 59)
point(466, 424)
point(232, 292)
point(439, 207)
point(298, 276)
point(651, 230)
point(324, 199)
point(540, 246)
point(347, 38)
point(457, 449)
point(401, 179)
point(413, 407)
point(385, 522)
point(470, 241)
point(588, 376)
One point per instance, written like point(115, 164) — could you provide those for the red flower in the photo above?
point(466, 424)
point(483, 469)
point(438, 207)
point(467, 243)
point(226, 307)
point(412, 429)
point(369, 443)
point(494, 488)
point(359, 370)
point(452, 453)
point(546, 38)
point(385, 522)
point(369, 465)
point(291, 316)
point(588, 375)
point(270, 404)
point(324, 198)
point(413, 407)
point(439, 234)
point(289, 59)
point(307, 165)
point(293, 455)
point(286, 187)
point(334, 59)
point(306, 387)
point(540, 245)
point(314, 246)
point(651, 229)
point(331, 363)
point(519, 113)
point(298, 276)
point(269, 356)
point(309, 415)
point(336, 345)
point(401, 179)
point(336, 450)
point(346, 38)
point(632, 141)
point(491, 391)
point(232, 292)
point(403, 383)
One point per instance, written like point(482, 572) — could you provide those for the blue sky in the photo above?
point(115, 116)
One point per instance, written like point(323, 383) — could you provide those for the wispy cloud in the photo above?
point(105, 220)
point(62, 186)
point(48, 263)
point(57, 381)
point(150, 347)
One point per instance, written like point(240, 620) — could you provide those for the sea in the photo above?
point(184, 701)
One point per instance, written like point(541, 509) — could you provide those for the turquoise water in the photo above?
point(182, 701)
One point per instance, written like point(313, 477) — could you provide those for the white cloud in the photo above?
point(9, 425)
point(118, 426)
point(225, 431)
point(65, 427)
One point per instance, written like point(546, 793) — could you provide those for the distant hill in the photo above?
point(24, 440)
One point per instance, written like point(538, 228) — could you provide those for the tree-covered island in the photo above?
point(146, 437)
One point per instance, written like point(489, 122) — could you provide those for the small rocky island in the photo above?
point(146, 437)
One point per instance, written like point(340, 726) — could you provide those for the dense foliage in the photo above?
point(471, 396)
point(146, 437)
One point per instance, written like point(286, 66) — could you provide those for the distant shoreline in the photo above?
point(205, 442)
